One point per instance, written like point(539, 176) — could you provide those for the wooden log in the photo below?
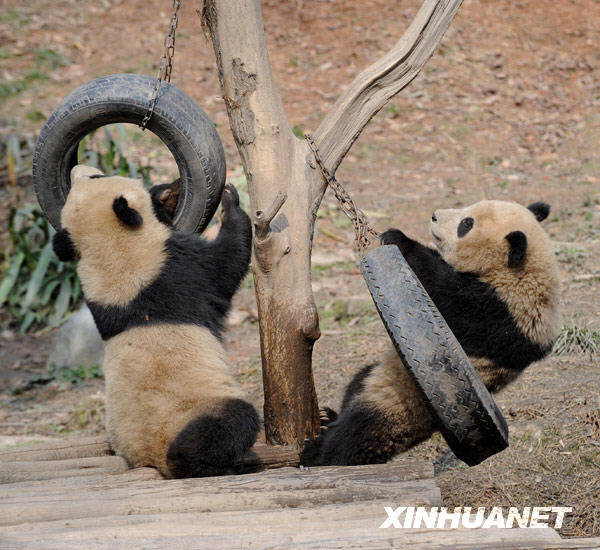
point(261, 456)
point(12, 472)
point(61, 449)
point(348, 526)
point(270, 490)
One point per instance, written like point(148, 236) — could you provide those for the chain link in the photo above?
point(362, 228)
point(166, 63)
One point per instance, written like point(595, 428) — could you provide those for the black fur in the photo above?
point(541, 210)
point(361, 435)
point(312, 452)
point(210, 444)
point(197, 282)
point(63, 246)
point(129, 216)
point(518, 248)
point(357, 384)
point(479, 319)
point(464, 227)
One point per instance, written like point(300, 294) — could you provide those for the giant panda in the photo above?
point(494, 278)
point(159, 299)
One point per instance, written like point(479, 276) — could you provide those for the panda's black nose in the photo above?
point(433, 217)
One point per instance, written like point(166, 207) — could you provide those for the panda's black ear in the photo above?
point(63, 246)
point(518, 247)
point(129, 216)
point(540, 210)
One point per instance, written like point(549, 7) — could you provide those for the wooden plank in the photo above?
point(331, 526)
point(12, 472)
point(61, 449)
point(260, 457)
point(271, 490)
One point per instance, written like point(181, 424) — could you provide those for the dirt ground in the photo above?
point(507, 108)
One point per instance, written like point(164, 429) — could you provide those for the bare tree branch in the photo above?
point(379, 82)
point(263, 218)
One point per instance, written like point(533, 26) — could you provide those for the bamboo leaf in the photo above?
point(76, 288)
point(62, 303)
point(81, 148)
point(48, 290)
point(29, 318)
point(11, 277)
point(37, 277)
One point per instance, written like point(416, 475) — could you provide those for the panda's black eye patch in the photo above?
point(465, 225)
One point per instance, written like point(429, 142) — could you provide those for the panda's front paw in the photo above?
point(230, 199)
point(397, 237)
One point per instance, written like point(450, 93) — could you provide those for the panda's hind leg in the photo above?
point(210, 444)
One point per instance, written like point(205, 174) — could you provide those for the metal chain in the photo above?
point(166, 63)
point(362, 228)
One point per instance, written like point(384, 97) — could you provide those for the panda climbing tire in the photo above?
point(177, 120)
point(466, 414)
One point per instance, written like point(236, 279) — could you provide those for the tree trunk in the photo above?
point(286, 188)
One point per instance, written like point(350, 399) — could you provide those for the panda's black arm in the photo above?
point(439, 278)
point(477, 317)
point(230, 252)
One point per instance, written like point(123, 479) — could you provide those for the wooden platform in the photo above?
point(73, 494)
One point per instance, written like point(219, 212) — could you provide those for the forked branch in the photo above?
point(379, 82)
point(263, 218)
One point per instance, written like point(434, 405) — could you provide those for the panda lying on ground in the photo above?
point(495, 280)
point(159, 299)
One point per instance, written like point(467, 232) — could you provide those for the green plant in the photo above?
point(111, 157)
point(393, 109)
point(35, 115)
point(12, 88)
point(36, 288)
point(572, 257)
point(65, 376)
point(575, 339)
point(14, 16)
point(15, 87)
point(88, 414)
point(5, 53)
point(50, 58)
point(298, 131)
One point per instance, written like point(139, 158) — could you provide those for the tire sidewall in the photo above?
point(177, 121)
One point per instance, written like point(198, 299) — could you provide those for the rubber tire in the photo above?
point(466, 414)
point(177, 120)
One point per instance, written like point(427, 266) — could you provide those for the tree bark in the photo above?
point(286, 188)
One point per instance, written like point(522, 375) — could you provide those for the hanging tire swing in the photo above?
point(176, 119)
point(464, 410)
point(466, 413)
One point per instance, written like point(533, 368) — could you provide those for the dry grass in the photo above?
point(554, 465)
point(576, 339)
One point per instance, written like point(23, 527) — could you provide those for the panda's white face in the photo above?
point(478, 238)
